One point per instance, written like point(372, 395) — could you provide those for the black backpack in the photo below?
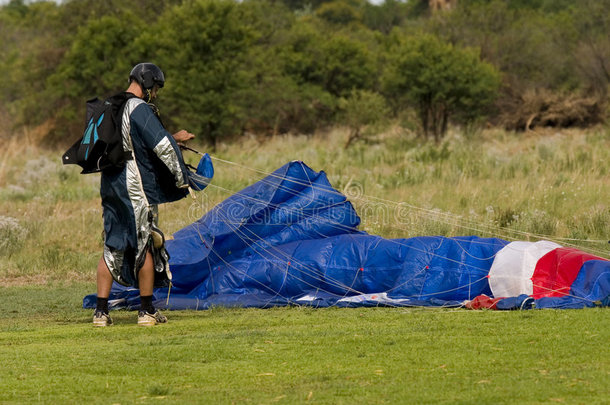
point(101, 146)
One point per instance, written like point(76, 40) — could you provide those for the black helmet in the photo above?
point(147, 75)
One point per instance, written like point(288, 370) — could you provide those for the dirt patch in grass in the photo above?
point(44, 279)
point(19, 281)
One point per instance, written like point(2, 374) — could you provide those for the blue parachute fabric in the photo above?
point(292, 239)
point(520, 302)
point(292, 204)
point(351, 265)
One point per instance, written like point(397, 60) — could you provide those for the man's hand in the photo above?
point(183, 136)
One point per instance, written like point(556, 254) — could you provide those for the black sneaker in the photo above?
point(147, 319)
point(101, 318)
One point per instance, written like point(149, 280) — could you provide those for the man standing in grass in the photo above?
point(134, 252)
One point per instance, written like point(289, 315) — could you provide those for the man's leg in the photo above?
point(148, 315)
point(104, 284)
point(146, 276)
point(104, 279)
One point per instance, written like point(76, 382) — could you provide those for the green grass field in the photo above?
point(553, 185)
point(51, 353)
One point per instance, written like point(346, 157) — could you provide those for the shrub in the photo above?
point(12, 235)
point(440, 81)
point(363, 112)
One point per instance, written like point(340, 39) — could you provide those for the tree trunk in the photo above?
point(353, 135)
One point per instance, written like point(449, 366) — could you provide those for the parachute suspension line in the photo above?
point(503, 232)
point(322, 289)
point(345, 227)
point(313, 274)
point(332, 191)
point(169, 289)
point(288, 190)
point(229, 265)
point(312, 271)
point(364, 197)
point(467, 253)
point(432, 212)
point(560, 291)
point(245, 274)
point(490, 229)
point(247, 239)
point(283, 260)
point(311, 185)
point(343, 286)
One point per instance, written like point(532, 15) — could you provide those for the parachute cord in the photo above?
point(337, 283)
point(447, 216)
point(339, 225)
point(212, 250)
point(312, 272)
point(363, 197)
point(168, 292)
point(333, 191)
point(564, 294)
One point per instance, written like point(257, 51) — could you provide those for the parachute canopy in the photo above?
point(292, 239)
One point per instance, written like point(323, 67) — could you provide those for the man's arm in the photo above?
point(162, 143)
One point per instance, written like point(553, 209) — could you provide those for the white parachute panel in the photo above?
point(511, 272)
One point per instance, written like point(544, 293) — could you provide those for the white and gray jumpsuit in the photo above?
point(155, 174)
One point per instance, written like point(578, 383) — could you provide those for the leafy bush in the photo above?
point(94, 65)
point(203, 45)
point(363, 112)
point(339, 12)
point(441, 81)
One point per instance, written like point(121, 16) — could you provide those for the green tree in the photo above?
point(532, 47)
point(45, 43)
point(440, 81)
point(94, 65)
point(335, 61)
point(591, 25)
point(271, 101)
point(31, 49)
point(296, 5)
point(339, 12)
point(346, 64)
point(203, 46)
point(385, 16)
point(364, 112)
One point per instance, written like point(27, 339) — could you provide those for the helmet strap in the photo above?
point(157, 113)
point(155, 110)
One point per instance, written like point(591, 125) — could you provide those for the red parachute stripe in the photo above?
point(556, 271)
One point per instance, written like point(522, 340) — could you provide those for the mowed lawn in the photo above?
point(50, 353)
